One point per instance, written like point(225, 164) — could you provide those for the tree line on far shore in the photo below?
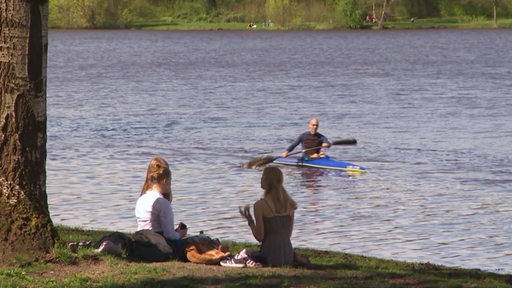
point(281, 14)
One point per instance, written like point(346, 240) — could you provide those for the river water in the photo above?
point(431, 110)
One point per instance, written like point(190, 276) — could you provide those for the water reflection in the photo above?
point(312, 178)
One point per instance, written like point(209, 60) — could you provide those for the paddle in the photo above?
point(257, 162)
point(351, 141)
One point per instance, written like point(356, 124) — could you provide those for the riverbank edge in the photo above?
point(86, 268)
point(405, 24)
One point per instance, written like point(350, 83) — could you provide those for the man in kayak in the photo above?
point(309, 140)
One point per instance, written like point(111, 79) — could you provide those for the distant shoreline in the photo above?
point(432, 23)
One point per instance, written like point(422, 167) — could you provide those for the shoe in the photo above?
point(73, 246)
point(233, 262)
point(242, 254)
point(252, 264)
point(85, 244)
point(108, 247)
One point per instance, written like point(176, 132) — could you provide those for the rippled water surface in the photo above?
point(431, 110)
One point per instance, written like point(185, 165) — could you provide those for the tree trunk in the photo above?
point(494, 8)
point(26, 229)
point(382, 15)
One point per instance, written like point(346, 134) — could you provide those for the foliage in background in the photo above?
point(350, 13)
point(283, 14)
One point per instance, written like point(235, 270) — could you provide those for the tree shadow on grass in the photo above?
point(198, 281)
point(335, 275)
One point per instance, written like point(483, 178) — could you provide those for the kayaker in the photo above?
point(154, 211)
point(310, 139)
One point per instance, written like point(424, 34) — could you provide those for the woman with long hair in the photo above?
point(153, 209)
point(273, 220)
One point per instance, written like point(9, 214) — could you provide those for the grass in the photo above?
point(431, 23)
point(328, 269)
point(448, 23)
point(170, 24)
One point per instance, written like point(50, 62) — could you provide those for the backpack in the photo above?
point(149, 246)
point(202, 249)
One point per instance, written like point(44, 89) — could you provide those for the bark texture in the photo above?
point(26, 230)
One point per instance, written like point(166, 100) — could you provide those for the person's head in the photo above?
point(272, 182)
point(272, 177)
point(313, 125)
point(158, 173)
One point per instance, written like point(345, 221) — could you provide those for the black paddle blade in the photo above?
point(258, 162)
point(351, 141)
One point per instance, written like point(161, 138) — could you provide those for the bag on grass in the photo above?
point(202, 249)
point(150, 246)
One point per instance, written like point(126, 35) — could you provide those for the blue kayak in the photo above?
point(324, 162)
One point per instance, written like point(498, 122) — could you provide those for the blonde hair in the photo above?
point(158, 170)
point(272, 183)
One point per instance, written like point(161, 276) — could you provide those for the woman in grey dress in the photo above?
point(273, 224)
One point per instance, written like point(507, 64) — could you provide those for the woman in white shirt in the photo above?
point(153, 209)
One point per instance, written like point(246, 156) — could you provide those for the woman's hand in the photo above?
point(182, 229)
point(182, 232)
point(246, 213)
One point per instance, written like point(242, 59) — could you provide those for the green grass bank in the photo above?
point(86, 268)
point(432, 23)
point(168, 23)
